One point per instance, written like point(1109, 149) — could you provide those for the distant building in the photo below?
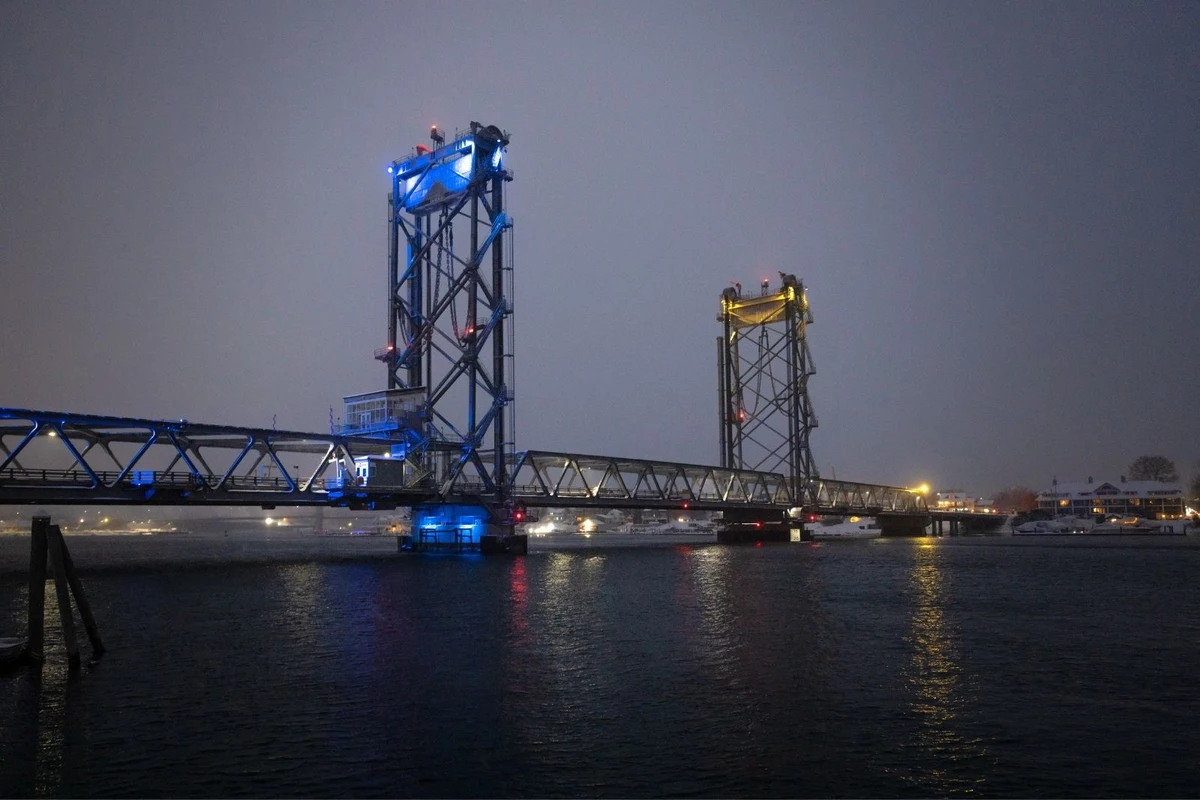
point(1149, 499)
point(955, 501)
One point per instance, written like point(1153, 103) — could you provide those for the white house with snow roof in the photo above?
point(1149, 499)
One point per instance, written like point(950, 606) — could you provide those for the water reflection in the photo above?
point(302, 585)
point(712, 579)
point(939, 689)
point(37, 720)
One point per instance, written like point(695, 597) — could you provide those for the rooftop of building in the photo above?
point(1116, 488)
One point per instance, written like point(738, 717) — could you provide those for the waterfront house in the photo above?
point(1149, 499)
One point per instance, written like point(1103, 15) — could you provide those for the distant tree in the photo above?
point(1195, 493)
point(1015, 499)
point(1153, 468)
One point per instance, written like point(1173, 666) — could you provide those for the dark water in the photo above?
point(893, 668)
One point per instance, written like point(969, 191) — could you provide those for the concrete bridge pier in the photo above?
point(744, 526)
point(895, 524)
point(461, 527)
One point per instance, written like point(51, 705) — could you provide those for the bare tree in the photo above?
point(1015, 499)
point(1153, 468)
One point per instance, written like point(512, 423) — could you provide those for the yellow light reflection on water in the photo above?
point(938, 688)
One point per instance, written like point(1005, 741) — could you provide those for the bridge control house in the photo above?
point(1148, 499)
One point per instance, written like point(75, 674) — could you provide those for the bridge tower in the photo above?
point(449, 347)
point(763, 367)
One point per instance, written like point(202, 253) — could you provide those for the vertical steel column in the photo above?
point(472, 312)
point(498, 460)
point(394, 307)
point(793, 404)
point(722, 414)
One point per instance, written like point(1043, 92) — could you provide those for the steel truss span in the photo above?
point(567, 479)
point(570, 479)
point(56, 457)
point(61, 458)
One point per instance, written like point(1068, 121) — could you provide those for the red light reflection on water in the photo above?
point(518, 608)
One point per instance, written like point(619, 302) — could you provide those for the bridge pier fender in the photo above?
point(898, 524)
point(501, 543)
point(748, 526)
point(449, 527)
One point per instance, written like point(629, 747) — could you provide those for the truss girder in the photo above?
point(55, 457)
point(571, 479)
point(158, 461)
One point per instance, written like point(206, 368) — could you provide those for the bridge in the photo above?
point(437, 439)
point(127, 461)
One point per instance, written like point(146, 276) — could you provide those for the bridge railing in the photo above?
point(75, 478)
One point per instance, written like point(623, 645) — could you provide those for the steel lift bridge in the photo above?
point(438, 438)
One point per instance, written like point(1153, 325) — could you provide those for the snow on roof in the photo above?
point(1112, 489)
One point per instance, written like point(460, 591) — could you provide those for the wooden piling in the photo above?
point(81, 601)
point(37, 589)
point(54, 542)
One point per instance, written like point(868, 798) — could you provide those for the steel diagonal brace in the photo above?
point(12, 456)
point(650, 481)
point(78, 457)
point(181, 454)
point(208, 471)
point(566, 471)
point(432, 237)
point(321, 467)
point(470, 455)
point(153, 437)
point(614, 472)
point(456, 287)
point(232, 467)
point(282, 470)
point(9, 454)
point(538, 473)
point(5, 449)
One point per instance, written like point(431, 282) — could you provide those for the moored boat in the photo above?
point(11, 648)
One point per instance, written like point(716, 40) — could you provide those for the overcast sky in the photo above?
point(994, 207)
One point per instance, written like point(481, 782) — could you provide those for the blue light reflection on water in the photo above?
point(893, 668)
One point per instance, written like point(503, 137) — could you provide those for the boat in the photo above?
point(841, 528)
point(11, 648)
point(1120, 526)
point(1045, 527)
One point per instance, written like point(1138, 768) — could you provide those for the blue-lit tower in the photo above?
point(449, 348)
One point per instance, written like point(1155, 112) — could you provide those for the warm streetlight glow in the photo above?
point(923, 488)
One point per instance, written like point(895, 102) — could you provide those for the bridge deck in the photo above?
point(66, 458)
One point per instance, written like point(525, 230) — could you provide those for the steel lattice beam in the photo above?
point(764, 365)
point(61, 458)
point(448, 335)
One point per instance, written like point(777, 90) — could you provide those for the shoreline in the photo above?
point(137, 551)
